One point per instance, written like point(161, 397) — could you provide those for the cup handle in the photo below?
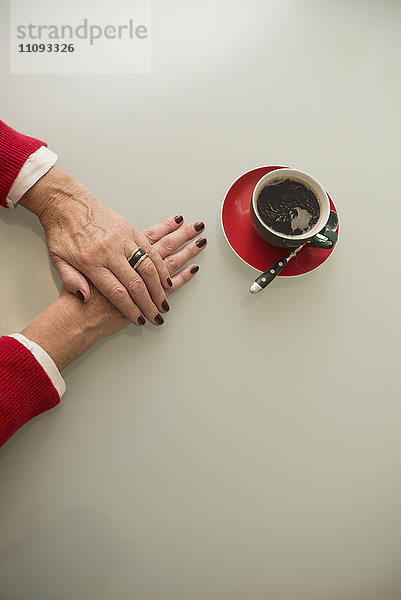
point(326, 238)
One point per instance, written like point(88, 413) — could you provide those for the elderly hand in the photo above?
point(176, 246)
point(68, 327)
point(85, 237)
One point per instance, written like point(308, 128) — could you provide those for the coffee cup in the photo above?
point(290, 208)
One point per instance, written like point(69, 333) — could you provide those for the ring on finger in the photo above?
point(136, 257)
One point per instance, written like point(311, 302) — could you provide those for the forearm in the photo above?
point(64, 330)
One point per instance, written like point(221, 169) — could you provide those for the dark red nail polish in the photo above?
point(80, 295)
point(198, 226)
point(200, 243)
point(141, 320)
point(194, 269)
point(159, 319)
point(178, 219)
point(169, 282)
point(165, 305)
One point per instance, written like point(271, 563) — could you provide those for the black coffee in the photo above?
point(288, 206)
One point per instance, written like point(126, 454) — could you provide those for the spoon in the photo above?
point(267, 277)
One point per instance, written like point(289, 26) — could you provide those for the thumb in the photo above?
point(72, 279)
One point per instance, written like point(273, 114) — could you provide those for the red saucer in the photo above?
point(247, 245)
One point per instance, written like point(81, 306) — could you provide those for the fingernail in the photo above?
point(80, 295)
point(169, 282)
point(141, 320)
point(159, 319)
point(199, 225)
point(200, 243)
point(194, 269)
point(178, 219)
point(165, 305)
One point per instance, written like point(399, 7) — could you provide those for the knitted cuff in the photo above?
point(25, 388)
point(15, 148)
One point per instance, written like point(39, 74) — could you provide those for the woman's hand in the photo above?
point(85, 237)
point(166, 237)
point(68, 327)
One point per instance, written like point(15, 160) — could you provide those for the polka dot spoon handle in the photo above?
point(267, 277)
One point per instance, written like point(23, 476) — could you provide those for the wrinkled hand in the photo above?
point(103, 318)
point(68, 327)
point(85, 237)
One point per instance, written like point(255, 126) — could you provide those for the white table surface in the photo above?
point(250, 448)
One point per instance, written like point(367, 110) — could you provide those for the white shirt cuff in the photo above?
point(44, 360)
point(35, 166)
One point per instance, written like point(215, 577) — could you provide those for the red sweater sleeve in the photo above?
point(25, 388)
point(15, 148)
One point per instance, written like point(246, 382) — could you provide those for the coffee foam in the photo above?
point(301, 220)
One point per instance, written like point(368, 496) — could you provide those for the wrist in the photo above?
point(52, 195)
point(37, 197)
point(64, 330)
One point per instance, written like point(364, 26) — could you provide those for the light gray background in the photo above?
point(251, 447)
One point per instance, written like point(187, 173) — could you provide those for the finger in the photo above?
point(188, 252)
point(115, 291)
point(72, 279)
point(155, 232)
point(150, 276)
point(171, 242)
point(183, 277)
point(156, 259)
point(138, 290)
